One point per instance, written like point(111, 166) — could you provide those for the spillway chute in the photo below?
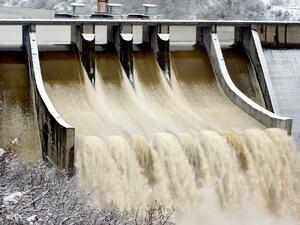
point(197, 83)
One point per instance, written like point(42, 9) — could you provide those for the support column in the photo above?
point(83, 37)
point(25, 31)
point(121, 38)
point(203, 36)
point(158, 38)
point(242, 36)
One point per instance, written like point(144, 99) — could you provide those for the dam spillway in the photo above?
point(162, 162)
point(197, 82)
point(154, 88)
point(187, 137)
point(63, 74)
point(131, 114)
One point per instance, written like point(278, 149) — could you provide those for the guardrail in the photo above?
point(97, 21)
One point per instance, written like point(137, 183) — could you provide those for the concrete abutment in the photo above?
point(57, 137)
point(247, 39)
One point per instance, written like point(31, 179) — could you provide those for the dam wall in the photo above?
point(211, 42)
point(57, 137)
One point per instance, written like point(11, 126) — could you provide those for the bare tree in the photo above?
point(39, 194)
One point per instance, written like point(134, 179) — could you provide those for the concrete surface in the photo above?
point(284, 66)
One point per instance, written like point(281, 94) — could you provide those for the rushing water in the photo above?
point(18, 126)
point(195, 80)
point(196, 173)
point(180, 144)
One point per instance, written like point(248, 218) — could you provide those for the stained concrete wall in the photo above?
point(248, 39)
point(57, 137)
point(265, 117)
point(279, 36)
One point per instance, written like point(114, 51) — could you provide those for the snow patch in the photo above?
point(15, 141)
point(14, 217)
point(31, 218)
point(12, 198)
point(1, 151)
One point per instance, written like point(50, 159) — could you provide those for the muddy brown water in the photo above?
point(18, 125)
point(196, 81)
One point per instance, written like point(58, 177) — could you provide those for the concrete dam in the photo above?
point(192, 122)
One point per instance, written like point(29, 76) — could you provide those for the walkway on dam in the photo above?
point(284, 67)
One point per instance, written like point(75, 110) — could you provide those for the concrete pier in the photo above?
point(83, 37)
point(158, 37)
point(121, 38)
